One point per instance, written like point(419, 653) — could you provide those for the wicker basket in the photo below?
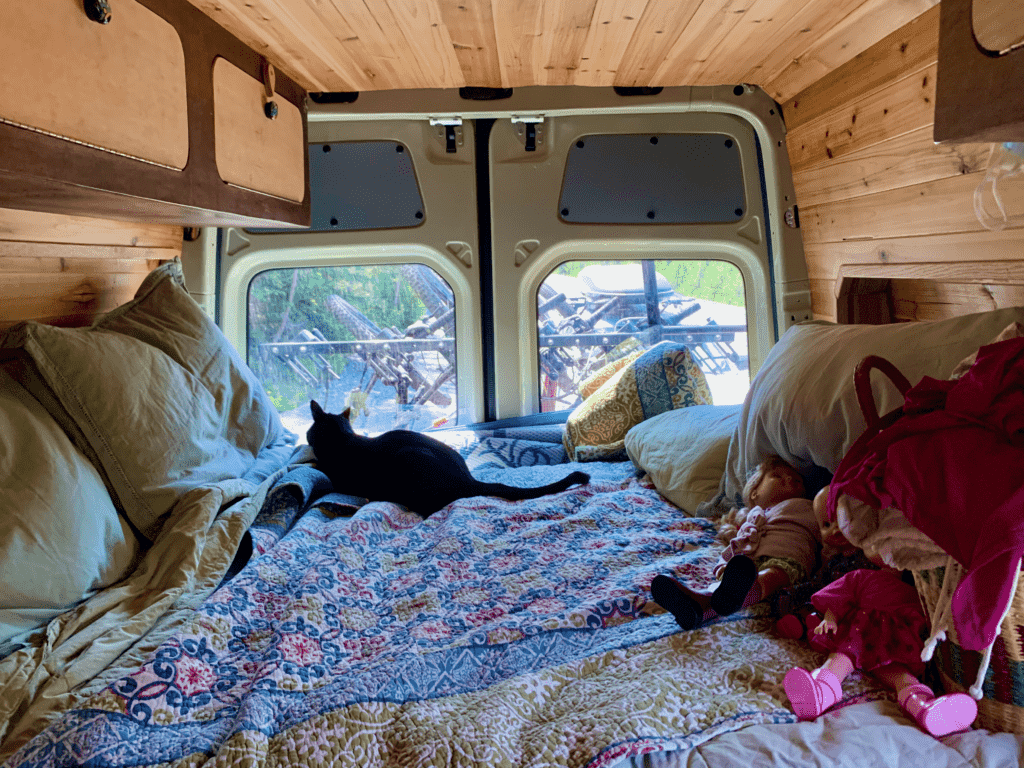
point(1002, 705)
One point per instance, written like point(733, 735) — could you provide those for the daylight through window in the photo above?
point(378, 339)
point(591, 313)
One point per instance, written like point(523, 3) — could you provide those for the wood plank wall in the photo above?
point(879, 200)
point(66, 269)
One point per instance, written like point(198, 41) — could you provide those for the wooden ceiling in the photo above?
point(361, 45)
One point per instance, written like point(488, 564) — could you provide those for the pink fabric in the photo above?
point(880, 620)
point(789, 529)
point(954, 465)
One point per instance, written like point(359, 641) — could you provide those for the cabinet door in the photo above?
point(118, 86)
point(981, 62)
point(254, 151)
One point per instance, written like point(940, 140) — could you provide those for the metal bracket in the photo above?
point(98, 11)
point(530, 129)
point(269, 83)
point(449, 129)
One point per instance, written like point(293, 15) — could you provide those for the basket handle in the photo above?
point(862, 384)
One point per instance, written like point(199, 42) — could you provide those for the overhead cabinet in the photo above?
point(978, 94)
point(146, 110)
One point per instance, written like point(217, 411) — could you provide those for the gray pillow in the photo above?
point(61, 537)
point(165, 317)
point(153, 393)
point(802, 404)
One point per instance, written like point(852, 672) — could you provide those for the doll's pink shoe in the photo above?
point(940, 715)
point(811, 693)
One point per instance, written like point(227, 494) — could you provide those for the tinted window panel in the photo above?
point(647, 179)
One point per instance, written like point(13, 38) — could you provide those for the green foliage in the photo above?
point(283, 302)
point(702, 279)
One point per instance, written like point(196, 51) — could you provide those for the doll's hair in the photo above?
point(735, 517)
point(757, 475)
point(730, 524)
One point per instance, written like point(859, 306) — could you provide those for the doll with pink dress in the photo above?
point(872, 620)
point(776, 545)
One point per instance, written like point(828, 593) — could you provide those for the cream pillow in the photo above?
point(802, 404)
point(684, 451)
point(61, 537)
point(1012, 331)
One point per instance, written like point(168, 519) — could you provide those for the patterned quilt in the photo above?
point(492, 633)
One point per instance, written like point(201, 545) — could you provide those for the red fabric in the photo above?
point(954, 465)
point(879, 618)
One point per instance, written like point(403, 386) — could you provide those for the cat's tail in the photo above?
point(513, 493)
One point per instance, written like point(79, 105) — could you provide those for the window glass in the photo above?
point(591, 313)
point(380, 339)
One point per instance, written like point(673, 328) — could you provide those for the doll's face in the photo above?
point(777, 484)
point(831, 534)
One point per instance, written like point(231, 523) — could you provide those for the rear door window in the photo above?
point(591, 313)
point(379, 339)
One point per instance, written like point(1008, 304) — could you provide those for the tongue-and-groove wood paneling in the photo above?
point(356, 45)
point(878, 199)
point(66, 269)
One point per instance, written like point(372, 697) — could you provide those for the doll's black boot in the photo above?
point(677, 600)
point(738, 577)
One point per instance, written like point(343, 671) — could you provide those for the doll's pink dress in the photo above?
point(880, 620)
point(787, 531)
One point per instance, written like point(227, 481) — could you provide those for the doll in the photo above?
point(792, 605)
point(872, 620)
point(776, 546)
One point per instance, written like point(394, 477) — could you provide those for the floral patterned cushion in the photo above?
point(663, 378)
point(599, 377)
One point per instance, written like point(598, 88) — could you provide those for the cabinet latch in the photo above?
point(98, 11)
point(269, 83)
point(530, 129)
point(450, 128)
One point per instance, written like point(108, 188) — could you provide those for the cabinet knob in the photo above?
point(98, 11)
point(270, 109)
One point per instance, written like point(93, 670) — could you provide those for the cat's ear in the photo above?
point(316, 410)
point(347, 413)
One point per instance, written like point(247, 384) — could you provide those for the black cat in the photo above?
point(404, 467)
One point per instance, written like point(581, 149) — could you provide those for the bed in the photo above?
point(213, 599)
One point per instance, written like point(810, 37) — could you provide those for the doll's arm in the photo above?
point(841, 597)
point(828, 624)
